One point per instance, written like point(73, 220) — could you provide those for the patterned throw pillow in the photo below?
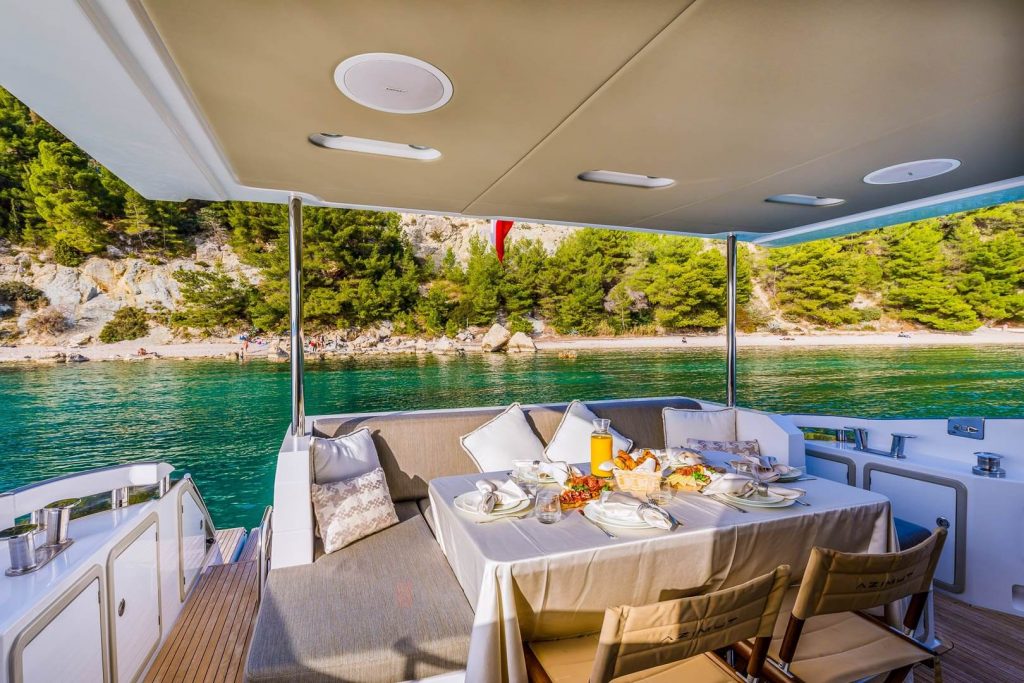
point(734, 447)
point(352, 509)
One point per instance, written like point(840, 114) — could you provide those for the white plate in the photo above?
point(772, 500)
point(593, 512)
point(792, 476)
point(467, 502)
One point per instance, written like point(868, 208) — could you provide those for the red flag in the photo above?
point(499, 231)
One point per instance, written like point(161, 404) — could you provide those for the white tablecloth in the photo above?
point(531, 581)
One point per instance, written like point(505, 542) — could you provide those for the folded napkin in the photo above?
point(769, 468)
point(743, 486)
point(624, 506)
point(493, 493)
point(558, 471)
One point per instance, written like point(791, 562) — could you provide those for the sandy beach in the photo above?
point(226, 349)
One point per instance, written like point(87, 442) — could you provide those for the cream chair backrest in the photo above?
point(639, 638)
point(843, 582)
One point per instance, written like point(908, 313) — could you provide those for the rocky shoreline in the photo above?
point(381, 342)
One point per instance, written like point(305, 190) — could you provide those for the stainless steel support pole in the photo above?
point(295, 302)
point(730, 321)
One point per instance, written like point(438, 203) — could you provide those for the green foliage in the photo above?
point(950, 274)
point(14, 294)
point(69, 196)
point(66, 255)
point(358, 268)
point(817, 281)
point(128, 323)
point(519, 324)
point(918, 290)
point(212, 301)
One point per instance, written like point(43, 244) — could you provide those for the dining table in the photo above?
point(532, 581)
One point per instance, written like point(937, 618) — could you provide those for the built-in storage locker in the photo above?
point(928, 501)
point(834, 467)
point(193, 540)
point(67, 642)
point(134, 580)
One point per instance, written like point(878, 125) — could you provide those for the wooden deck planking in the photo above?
point(210, 640)
point(228, 543)
point(987, 645)
point(250, 550)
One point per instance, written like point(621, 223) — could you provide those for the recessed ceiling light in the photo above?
point(804, 200)
point(631, 179)
point(368, 146)
point(910, 171)
point(393, 83)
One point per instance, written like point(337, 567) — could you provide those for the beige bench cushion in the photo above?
point(386, 608)
point(571, 661)
point(416, 447)
point(835, 648)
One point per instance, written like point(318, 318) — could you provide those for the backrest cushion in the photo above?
point(352, 509)
point(639, 638)
point(842, 582)
point(707, 425)
point(502, 440)
point(571, 441)
point(415, 447)
point(343, 457)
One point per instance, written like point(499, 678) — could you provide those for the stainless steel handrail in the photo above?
point(266, 531)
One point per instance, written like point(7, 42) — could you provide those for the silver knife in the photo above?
point(606, 532)
point(727, 504)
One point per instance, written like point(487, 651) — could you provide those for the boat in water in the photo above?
point(709, 542)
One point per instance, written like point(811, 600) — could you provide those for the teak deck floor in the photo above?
point(210, 640)
point(988, 647)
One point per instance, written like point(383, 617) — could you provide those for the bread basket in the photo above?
point(637, 483)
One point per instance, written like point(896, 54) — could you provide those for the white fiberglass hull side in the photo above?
point(981, 564)
point(106, 603)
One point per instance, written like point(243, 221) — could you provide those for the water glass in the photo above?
point(661, 495)
point(549, 506)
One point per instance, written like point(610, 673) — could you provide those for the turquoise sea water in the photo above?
point(224, 422)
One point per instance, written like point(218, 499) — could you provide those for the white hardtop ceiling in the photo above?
point(734, 100)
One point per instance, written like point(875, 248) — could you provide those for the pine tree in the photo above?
point(817, 281)
point(918, 289)
point(481, 292)
point(212, 301)
point(521, 280)
point(358, 269)
point(21, 131)
point(69, 196)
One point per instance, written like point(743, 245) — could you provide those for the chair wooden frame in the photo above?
point(780, 670)
point(756, 661)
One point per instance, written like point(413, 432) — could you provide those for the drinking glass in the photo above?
point(662, 494)
point(549, 506)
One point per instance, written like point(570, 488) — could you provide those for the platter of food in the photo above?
point(580, 490)
point(694, 477)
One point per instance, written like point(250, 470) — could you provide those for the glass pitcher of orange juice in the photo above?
point(600, 448)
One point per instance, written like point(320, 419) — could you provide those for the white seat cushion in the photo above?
point(707, 425)
point(496, 444)
point(571, 441)
point(343, 457)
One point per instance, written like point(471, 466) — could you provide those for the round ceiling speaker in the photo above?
point(910, 171)
point(392, 83)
